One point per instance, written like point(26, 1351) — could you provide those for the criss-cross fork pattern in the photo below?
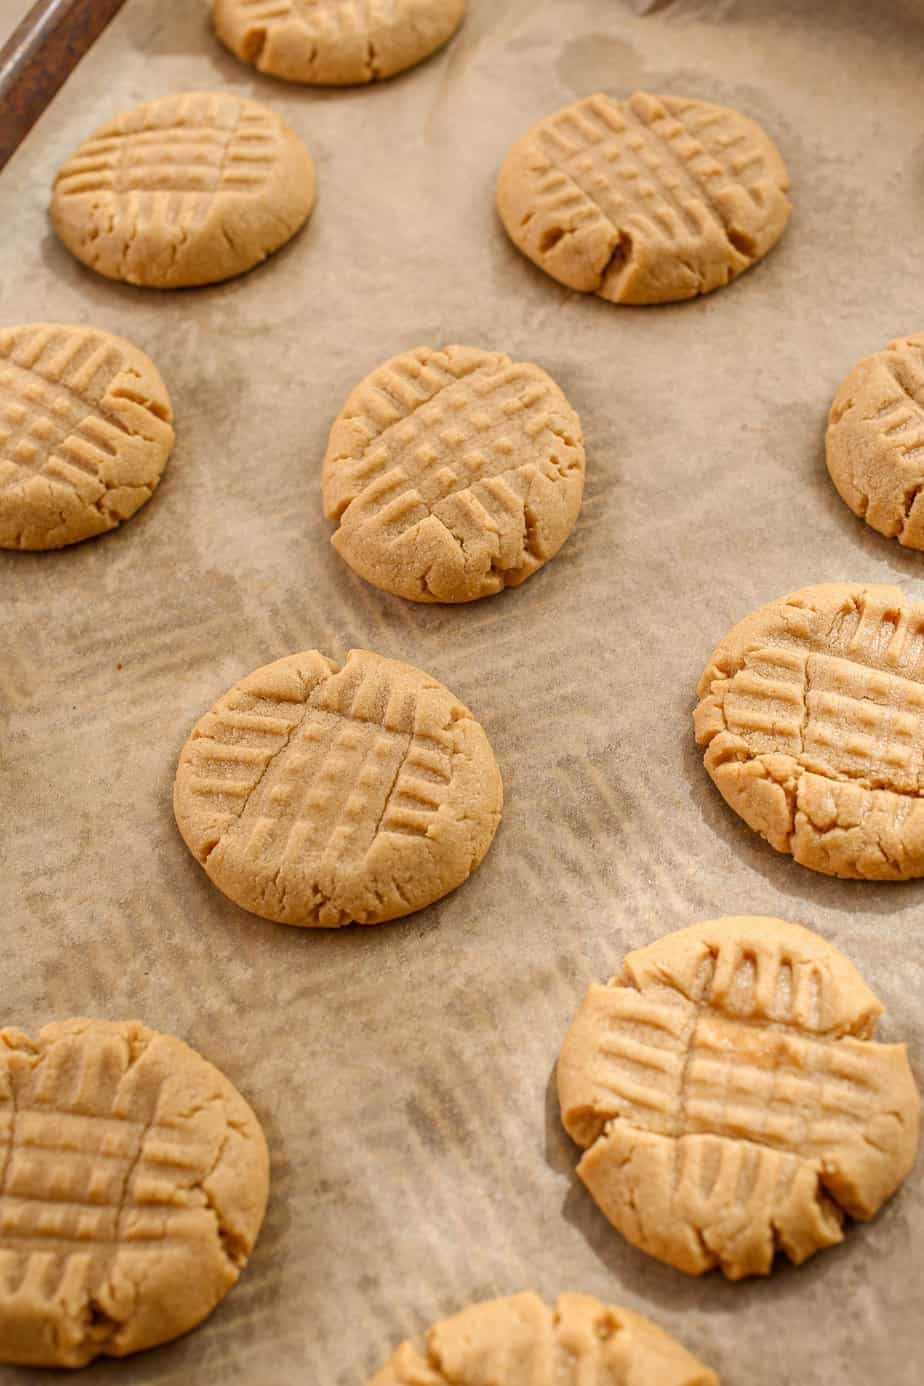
point(320, 780)
point(88, 1174)
point(51, 423)
point(182, 152)
point(732, 1102)
point(677, 1068)
point(642, 166)
point(848, 705)
point(461, 449)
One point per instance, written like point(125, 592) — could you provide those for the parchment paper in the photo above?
point(404, 1073)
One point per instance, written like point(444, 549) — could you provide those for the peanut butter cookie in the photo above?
point(875, 444)
point(134, 1181)
point(644, 201)
point(85, 433)
point(812, 714)
point(335, 42)
point(731, 1098)
point(184, 190)
point(522, 1342)
point(320, 796)
point(453, 474)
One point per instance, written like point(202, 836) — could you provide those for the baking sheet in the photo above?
point(404, 1074)
point(13, 12)
point(40, 45)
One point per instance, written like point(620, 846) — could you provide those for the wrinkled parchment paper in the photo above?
point(403, 1074)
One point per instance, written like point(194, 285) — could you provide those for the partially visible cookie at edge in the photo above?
point(335, 42)
point(85, 433)
point(183, 191)
point(453, 474)
point(320, 795)
point(135, 1179)
point(875, 440)
point(649, 200)
point(520, 1341)
point(811, 713)
point(732, 1100)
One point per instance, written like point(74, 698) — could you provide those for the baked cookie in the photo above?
point(184, 190)
point(335, 42)
point(644, 201)
point(85, 433)
point(134, 1183)
point(522, 1342)
point(812, 714)
point(453, 474)
point(875, 443)
point(320, 796)
point(731, 1098)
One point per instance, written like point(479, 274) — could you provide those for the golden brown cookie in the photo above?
point(875, 444)
point(522, 1342)
point(320, 796)
point(812, 714)
point(453, 474)
point(184, 190)
point(134, 1181)
point(644, 201)
point(85, 433)
point(335, 42)
point(731, 1098)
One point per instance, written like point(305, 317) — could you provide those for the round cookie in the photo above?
point(453, 474)
point(731, 1099)
point(335, 42)
point(185, 190)
point(812, 714)
point(135, 1180)
point(875, 442)
point(321, 796)
point(85, 433)
point(522, 1342)
point(648, 200)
